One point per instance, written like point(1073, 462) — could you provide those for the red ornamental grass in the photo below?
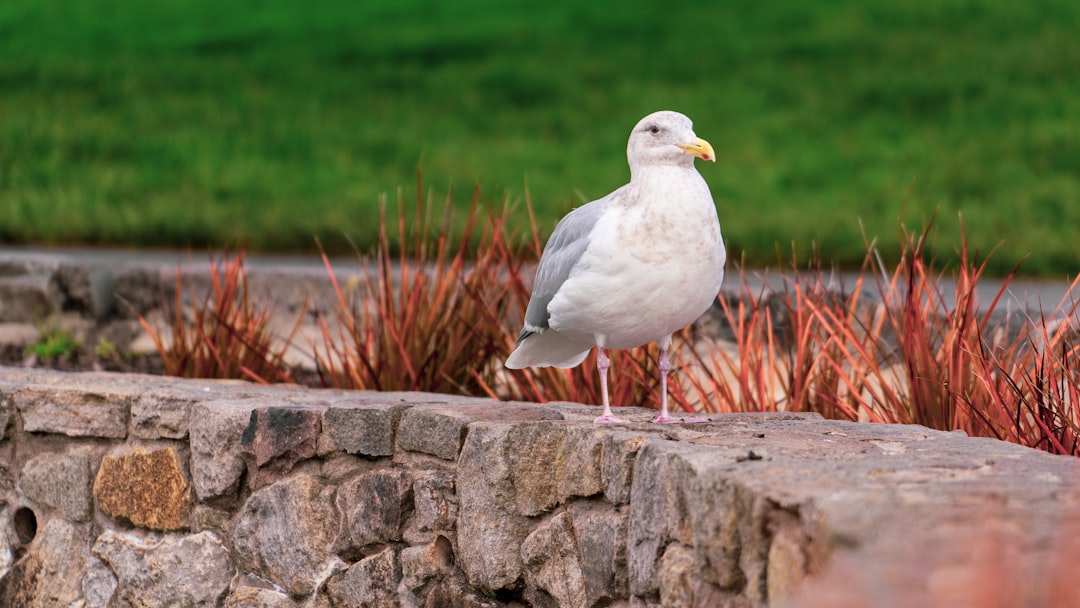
point(226, 336)
point(429, 317)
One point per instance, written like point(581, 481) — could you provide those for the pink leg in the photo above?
point(663, 417)
point(602, 365)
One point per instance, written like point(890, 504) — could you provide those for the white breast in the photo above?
point(654, 264)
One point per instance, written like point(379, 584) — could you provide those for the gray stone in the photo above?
point(375, 506)
point(59, 481)
point(284, 532)
point(438, 431)
point(368, 430)
point(50, 574)
point(553, 562)
point(74, 412)
point(436, 504)
point(600, 534)
point(140, 290)
point(99, 584)
point(173, 571)
point(161, 416)
point(490, 528)
point(658, 512)
point(216, 461)
point(258, 597)
point(370, 583)
point(86, 289)
point(29, 296)
point(620, 450)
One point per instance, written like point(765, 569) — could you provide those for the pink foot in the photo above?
point(610, 420)
point(670, 420)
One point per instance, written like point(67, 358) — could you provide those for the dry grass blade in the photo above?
point(225, 335)
point(429, 317)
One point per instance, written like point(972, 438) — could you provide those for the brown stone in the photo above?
point(147, 488)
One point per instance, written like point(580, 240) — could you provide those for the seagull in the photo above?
point(632, 267)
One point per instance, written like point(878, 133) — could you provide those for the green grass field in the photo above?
point(269, 123)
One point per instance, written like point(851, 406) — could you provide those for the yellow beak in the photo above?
point(699, 148)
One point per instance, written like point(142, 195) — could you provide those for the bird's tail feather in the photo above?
point(547, 349)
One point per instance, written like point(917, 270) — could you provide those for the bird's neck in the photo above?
point(654, 172)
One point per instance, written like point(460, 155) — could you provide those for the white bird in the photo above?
point(633, 267)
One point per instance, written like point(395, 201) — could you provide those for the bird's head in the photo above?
point(666, 138)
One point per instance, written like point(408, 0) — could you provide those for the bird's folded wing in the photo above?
point(563, 251)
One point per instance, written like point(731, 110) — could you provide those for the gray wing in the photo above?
point(562, 252)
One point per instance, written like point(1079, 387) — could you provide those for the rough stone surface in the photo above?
point(436, 431)
point(174, 571)
point(276, 438)
point(28, 295)
point(7, 410)
point(147, 488)
point(258, 597)
point(375, 506)
point(216, 460)
point(283, 533)
point(420, 564)
point(490, 529)
point(161, 416)
point(554, 563)
point(369, 583)
point(365, 430)
point(74, 413)
point(51, 572)
point(60, 481)
point(99, 585)
point(436, 504)
point(515, 505)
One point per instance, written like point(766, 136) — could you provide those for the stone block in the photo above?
point(600, 533)
point(59, 481)
point(553, 562)
point(147, 488)
point(438, 431)
point(367, 430)
point(658, 512)
point(490, 528)
point(787, 559)
point(74, 412)
point(284, 533)
point(276, 438)
point(620, 450)
point(258, 597)
point(422, 563)
point(216, 461)
point(7, 413)
point(436, 503)
point(28, 297)
point(375, 506)
point(370, 583)
point(680, 586)
point(174, 570)
point(50, 574)
point(162, 414)
point(99, 583)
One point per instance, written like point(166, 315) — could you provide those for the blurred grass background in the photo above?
point(267, 123)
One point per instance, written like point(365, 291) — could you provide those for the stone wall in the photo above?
point(122, 490)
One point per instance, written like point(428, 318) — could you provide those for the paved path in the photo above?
point(1046, 294)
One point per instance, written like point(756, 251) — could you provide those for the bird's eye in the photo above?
point(654, 129)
